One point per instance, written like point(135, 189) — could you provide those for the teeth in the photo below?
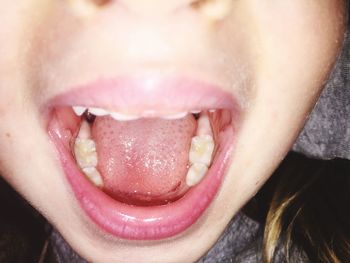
point(202, 148)
point(98, 111)
point(79, 110)
point(201, 151)
point(94, 176)
point(196, 173)
point(85, 153)
point(195, 111)
point(123, 117)
point(175, 116)
point(204, 127)
point(84, 132)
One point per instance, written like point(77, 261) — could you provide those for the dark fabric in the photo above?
point(60, 252)
point(22, 231)
point(326, 135)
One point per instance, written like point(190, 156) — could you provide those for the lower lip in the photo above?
point(142, 223)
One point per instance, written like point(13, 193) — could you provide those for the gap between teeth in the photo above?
point(79, 111)
point(200, 153)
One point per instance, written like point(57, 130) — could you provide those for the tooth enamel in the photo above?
point(98, 111)
point(123, 117)
point(196, 173)
point(201, 150)
point(175, 116)
point(203, 125)
point(94, 176)
point(78, 110)
point(85, 153)
point(84, 132)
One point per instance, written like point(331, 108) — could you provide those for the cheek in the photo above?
point(299, 41)
point(295, 50)
point(295, 44)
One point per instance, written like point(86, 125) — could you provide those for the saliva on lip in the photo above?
point(200, 153)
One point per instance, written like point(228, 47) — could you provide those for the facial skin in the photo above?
point(273, 56)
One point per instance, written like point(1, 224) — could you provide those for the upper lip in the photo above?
point(137, 95)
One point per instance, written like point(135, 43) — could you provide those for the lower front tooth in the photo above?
point(94, 176)
point(196, 173)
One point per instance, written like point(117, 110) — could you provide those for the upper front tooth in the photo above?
point(98, 111)
point(123, 117)
point(175, 116)
point(79, 110)
point(202, 148)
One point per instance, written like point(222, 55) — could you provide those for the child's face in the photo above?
point(264, 61)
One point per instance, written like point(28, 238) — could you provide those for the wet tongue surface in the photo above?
point(144, 161)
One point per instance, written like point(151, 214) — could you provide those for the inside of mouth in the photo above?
point(144, 161)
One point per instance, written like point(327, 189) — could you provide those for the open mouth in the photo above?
point(146, 167)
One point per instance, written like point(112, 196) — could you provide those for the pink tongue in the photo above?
point(144, 161)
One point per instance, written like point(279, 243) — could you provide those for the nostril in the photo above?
point(101, 2)
point(213, 9)
point(87, 7)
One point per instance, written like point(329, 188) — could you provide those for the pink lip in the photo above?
point(141, 94)
point(135, 222)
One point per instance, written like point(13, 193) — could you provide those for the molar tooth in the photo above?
point(85, 153)
point(98, 111)
point(94, 176)
point(175, 116)
point(79, 110)
point(123, 117)
point(196, 173)
point(201, 150)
